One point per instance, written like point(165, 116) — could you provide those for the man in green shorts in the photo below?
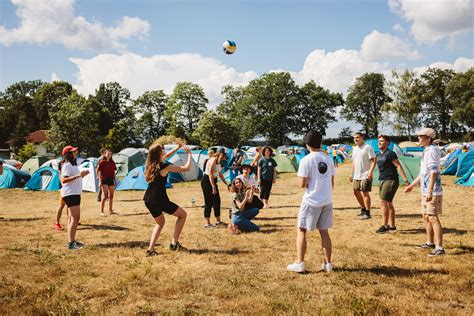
point(388, 164)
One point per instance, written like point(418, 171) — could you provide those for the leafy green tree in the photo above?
point(438, 107)
point(461, 92)
point(124, 133)
point(45, 99)
point(269, 107)
point(75, 123)
point(365, 100)
point(185, 106)
point(215, 129)
point(316, 108)
point(406, 106)
point(152, 123)
point(233, 108)
point(27, 151)
point(345, 133)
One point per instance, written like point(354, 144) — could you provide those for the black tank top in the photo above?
point(156, 191)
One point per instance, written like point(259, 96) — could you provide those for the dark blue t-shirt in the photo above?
point(268, 166)
point(387, 170)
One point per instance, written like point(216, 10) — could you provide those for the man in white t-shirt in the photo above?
point(362, 170)
point(316, 172)
point(431, 192)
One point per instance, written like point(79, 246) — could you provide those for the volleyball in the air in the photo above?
point(229, 47)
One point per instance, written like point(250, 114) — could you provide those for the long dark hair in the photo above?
point(69, 157)
point(153, 160)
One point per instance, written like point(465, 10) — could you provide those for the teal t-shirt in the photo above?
point(268, 166)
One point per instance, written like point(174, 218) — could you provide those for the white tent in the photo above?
point(90, 182)
point(180, 159)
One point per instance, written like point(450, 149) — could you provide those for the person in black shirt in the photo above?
point(388, 164)
point(156, 199)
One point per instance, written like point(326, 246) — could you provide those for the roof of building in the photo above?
point(38, 136)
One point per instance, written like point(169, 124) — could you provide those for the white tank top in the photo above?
point(218, 168)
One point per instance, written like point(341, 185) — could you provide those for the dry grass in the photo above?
point(244, 274)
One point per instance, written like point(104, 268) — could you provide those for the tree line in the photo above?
point(272, 106)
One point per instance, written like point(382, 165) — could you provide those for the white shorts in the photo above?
point(311, 217)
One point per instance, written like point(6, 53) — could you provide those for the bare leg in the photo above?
point(391, 214)
point(385, 212)
point(73, 221)
point(367, 201)
point(301, 244)
point(429, 229)
point(359, 198)
point(181, 215)
point(327, 244)
point(111, 198)
point(437, 230)
point(105, 191)
point(160, 222)
point(59, 213)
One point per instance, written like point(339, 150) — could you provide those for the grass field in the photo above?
point(226, 274)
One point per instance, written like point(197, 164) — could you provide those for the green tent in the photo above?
point(286, 163)
point(411, 166)
point(128, 159)
point(33, 164)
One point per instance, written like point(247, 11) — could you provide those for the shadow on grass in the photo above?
point(30, 219)
point(462, 250)
point(126, 244)
point(135, 214)
point(283, 194)
point(408, 216)
point(130, 200)
point(346, 208)
point(391, 271)
point(276, 226)
point(102, 227)
point(279, 206)
point(269, 231)
point(233, 251)
point(277, 218)
point(445, 231)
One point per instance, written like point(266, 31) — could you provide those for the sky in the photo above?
point(151, 44)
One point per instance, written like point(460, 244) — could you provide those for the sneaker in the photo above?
point(58, 226)
point(177, 247)
point(366, 215)
point(436, 252)
point(425, 246)
point(296, 267)
point(392, 229)
point(382, 230)
point(220, 224)
point(151, 253)
point(74, 245)
point(362, 212)
point(208, 226)
point(327, 267)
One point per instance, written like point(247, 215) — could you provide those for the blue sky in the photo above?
point(145, 44)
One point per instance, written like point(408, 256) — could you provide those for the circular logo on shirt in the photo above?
point(322, 167)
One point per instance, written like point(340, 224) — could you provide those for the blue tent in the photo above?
point(465, 162)
point(374, 142)
point(12, 177)
point(452, 156)
point(452, 163)
point(44, 179)
point(468, 179)
point(135, 180)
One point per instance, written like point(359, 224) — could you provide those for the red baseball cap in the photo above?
point(69, 149)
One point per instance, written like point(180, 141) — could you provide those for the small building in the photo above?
point(39, 139)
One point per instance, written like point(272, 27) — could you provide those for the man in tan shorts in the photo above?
point(431, 192)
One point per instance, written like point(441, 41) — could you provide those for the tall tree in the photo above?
point(124, 133)
point(152, 123)
point(215, 129)
point(233, 109)
point(461, 92)
point(46, 98)
point(406, 105)
point(185, 106)
point(365, 100)
point(269, 106)
point(438, 108)
point(316, 108)
point(75, 123)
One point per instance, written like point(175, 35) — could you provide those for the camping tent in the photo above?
point(374, 142)
point(406, 144)
point(452, 163)
point(33, 164)
point(411, 166)
point(90, 182)
point(200, 156)
point(12, 177)
point(128, 159)
point(53, 163)
point(468, 179)
point(44, 179)
point(179, 159)
point(285, 163)
point(135, 180)
point(465, 162)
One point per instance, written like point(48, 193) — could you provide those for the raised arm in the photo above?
point(186, 167)
point(172, 151)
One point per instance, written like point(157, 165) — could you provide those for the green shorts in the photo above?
point(362, 185)
point(387, 189)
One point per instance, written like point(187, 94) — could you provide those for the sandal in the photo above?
point(209, 226)
point(220, 224)
point(151, 253)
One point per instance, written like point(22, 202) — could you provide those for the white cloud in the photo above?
point(54, 77)
point(383, 46)
point(461, 64)
point(436, 19)
point(140, 74)
point(398, 28)
point(54, 22)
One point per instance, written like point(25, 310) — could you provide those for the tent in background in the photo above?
point(128, 159)
point(285, 163)
point(200, 156)
point(13, 178)
point(135, 180)
point(90, 182)
point(465, 162)
point(407, 144)
point(44, 179)
point(452, 163)
point(53, 163)
point(179, 159)
point(468, 179)
point(33, 164)
point(411, 166)
point(374, 142)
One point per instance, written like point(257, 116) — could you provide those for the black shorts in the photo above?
point(72, 200)
point(109, 181)
point(157, 208)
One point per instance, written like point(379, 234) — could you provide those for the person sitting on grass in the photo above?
point(241, 218)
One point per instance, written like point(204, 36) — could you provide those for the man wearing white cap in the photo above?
point(431, 192)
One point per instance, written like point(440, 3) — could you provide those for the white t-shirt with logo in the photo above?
point(430, 163)
point(74, 187)
point(319, 169)
point(361, 158)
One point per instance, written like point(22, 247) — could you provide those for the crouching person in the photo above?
point(241, 217)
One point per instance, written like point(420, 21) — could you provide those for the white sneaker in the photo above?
point(327, 267)
point(296, 267)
